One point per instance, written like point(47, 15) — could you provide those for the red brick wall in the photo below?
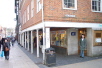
point(54, 12)
point(37, 16)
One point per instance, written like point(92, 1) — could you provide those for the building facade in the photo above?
point(61, 23)
point(2, 32)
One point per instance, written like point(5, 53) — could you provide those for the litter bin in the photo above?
point(50, 56)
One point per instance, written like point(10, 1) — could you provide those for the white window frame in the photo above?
point(28, 13)
point(32, 8)
point(70, 8)
point(38, 6)
point(25, 18)
point(100, 7)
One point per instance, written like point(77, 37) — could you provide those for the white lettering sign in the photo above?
point(69, 15)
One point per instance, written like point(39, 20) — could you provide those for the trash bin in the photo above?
point(50, 56)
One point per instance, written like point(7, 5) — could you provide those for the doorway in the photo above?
point(80, 32)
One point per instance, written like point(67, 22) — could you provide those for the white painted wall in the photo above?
point(72, 42)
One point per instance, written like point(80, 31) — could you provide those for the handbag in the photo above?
point(6, 49)
point(2, 54)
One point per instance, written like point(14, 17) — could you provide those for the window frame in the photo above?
point(70, 8)
point(38, 6)
point(32, 8)
point(100, 7)
point(28, 13)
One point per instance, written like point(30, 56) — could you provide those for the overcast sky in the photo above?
point(7, 14)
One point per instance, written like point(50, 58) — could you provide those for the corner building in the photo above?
point(61, 23)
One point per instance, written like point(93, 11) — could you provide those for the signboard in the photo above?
point(69, 15)
point(98, 39)
point(73, 33)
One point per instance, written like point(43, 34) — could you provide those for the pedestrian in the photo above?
point(0, 44)
point(6, 46)
point(35, 41)
point(82, 44)
point(13, 40)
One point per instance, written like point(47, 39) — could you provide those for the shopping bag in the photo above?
point(2, 53)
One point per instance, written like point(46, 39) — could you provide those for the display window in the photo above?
point(97, 38)
point(58, 38)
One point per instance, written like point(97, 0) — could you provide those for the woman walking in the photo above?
point(82, 44)
point(6, 48)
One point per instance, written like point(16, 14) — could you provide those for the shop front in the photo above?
point(64, 37)
point(59, 40)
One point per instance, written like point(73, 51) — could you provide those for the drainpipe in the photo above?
point(43, 32)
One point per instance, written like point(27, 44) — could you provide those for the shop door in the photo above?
point(80, 32)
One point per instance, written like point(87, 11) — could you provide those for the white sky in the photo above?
point(7, 14)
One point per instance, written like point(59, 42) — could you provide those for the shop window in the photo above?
point(97, 38)
point(98, 34)
point(58, 38)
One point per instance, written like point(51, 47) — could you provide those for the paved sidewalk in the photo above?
point(88, 64)
point(18, 59)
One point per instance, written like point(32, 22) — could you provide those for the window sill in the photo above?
point(97, 11)
point(70, 8)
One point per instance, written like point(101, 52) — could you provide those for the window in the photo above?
point(97, 38)
point(70, 4)
point(96, 5)
point(28, 12)
point(32, 8)
point(25, 17)
point(58, 38)
point(38, 6)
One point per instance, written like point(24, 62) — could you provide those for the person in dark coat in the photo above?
point(82, 44)
point(0, 43)
point(41, 41)
point(35, 41)
point(6, 53)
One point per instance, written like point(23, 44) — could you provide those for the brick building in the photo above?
point(61, 23)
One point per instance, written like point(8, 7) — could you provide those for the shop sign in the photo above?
point(98, 39)
point(73, 33)
point(69, 15)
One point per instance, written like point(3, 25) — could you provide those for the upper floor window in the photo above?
point(32, 8)
point(25, 17)
point(70, 4)
point(38, 5)
point(97, 5)
point(28, 12)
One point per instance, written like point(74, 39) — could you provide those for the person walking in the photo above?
point(6, 48)
point(82, 44)
point(0, 44)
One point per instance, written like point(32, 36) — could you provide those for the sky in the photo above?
point(7, 14)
